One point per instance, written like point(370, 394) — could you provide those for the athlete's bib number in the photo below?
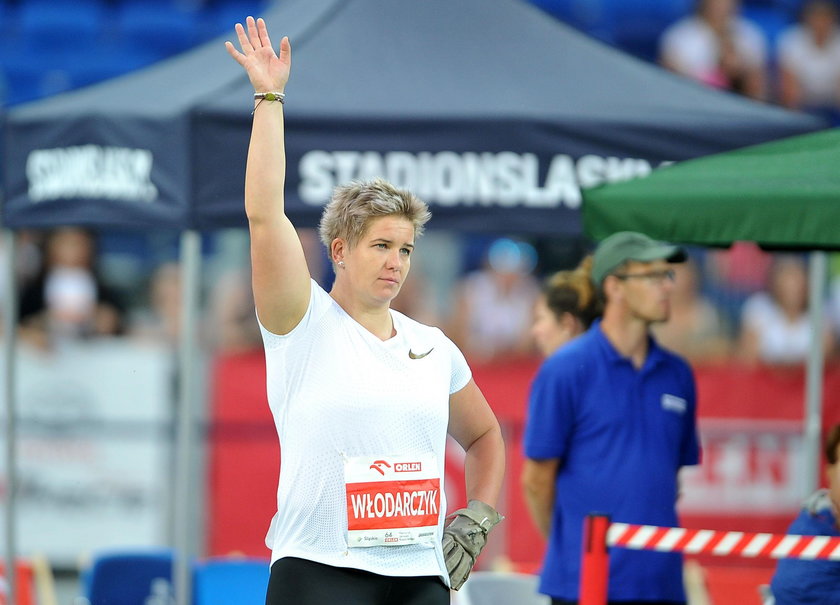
point(392, 501)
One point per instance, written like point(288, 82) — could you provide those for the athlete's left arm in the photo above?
point(474, 426)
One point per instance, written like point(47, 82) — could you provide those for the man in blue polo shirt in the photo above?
point(611, 421)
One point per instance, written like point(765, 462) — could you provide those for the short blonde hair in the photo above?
point(352, 207)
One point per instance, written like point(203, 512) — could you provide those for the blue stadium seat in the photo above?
point(588, 16)
point(50, 26)
point(129, 577)
point(226, 580)
point(115, 59)
point(165, 29)
point(34, 75)
point(31, 75)
point(771, 20)
point(221, 15)
point(637, 25)
point(790, 7)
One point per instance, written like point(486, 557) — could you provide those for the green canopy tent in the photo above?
point(783, 195)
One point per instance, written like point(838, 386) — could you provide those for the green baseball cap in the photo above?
point(630, 245)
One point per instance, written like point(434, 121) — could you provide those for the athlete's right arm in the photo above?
point(280, 276)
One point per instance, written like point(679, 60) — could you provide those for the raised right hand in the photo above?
point(267, 71)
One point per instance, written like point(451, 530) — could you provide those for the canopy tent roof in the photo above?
point(495, 113)
point(782, 195)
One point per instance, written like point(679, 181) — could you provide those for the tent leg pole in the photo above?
point(184, 501)
point(9, 393)
point(817, 268)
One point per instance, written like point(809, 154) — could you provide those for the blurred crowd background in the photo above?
point(740, 304)
point(785, 52)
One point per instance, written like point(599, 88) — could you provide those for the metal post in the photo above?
point(812, 422)
point(190, 268)
point(9, 337)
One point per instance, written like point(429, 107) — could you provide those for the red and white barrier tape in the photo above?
point(722, 543)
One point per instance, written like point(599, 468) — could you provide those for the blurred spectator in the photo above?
point(28, 255)
point(717, 47)
point(232, 317)
point(775, 327)
point(27, 260)
point(68, 299)
point(733, 275)
point(316, 257)
point(809, 61)
point(160, 320)
point(797, 582)
point(695, 329)
point(493, 305)
point(565, 308)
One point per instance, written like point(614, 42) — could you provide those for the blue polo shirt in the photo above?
point(797, 582)
point(622, 435)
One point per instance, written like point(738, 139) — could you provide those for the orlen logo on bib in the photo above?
point(408, 467)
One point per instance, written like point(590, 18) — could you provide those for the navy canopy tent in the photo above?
point(494, 112)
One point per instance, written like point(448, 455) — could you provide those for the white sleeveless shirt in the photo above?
point(338, 393)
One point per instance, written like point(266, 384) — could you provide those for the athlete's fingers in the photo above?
point(262, 30)
point(238, 56)
point(244, 43)
point(253, 35)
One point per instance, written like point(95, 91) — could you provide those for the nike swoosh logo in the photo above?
point(414, 355)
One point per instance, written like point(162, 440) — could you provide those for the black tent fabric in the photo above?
point(494, 113)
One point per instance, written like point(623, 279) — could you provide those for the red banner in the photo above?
point(750, 421)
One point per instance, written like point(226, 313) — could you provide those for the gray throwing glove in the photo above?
point(464, 538)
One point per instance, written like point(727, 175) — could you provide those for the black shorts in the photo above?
point(301, 582)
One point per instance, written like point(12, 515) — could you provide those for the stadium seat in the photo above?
point(637, 25)
point(501, 588)
point(585, 15)
point(157, 27)
point(791, 7)
point(33, 76)
point(129, 577)
point(221, 15)
point(225, 580)
point(49, 26)
point(772, 21)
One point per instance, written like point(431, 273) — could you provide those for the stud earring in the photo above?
point(341, 264)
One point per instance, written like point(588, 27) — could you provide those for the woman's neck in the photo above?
point(375, 318)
